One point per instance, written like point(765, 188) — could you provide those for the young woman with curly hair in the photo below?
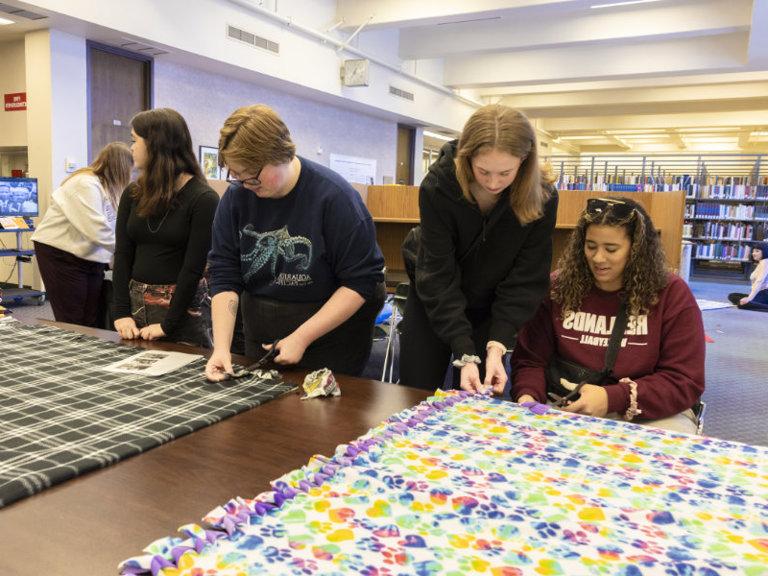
point(614, 257)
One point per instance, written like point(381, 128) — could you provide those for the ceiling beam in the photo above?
point(511, 32)
point(688, 56)
point(657, 121)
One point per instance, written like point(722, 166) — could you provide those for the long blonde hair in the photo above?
point(255, 136)
point(499, 127)
point(112, 167)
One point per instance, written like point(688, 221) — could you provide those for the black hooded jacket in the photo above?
point(484, 264)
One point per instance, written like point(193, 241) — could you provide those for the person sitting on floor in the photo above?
point(757, 299)
point(614, 258)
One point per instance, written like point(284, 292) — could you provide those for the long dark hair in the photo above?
point(169, 154)
point(645, 274)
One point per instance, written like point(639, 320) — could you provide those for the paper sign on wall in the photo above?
point(16, 102)
point(353, 169)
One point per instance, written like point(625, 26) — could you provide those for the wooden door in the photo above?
point(406, 141)
point(119, 86)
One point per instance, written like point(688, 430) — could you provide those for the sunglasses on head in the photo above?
point(599, 206)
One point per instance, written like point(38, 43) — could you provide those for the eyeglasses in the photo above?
point(599, 206)
point(250, 182)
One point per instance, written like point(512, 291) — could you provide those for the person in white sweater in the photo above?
point(75, 240)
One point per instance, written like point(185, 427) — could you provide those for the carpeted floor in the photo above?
point(737, 363)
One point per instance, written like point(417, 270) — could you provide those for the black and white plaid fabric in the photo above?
point(60, 415)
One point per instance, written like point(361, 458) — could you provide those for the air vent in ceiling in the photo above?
point(401, 93)
point(252, 39)
point(20, 12)
point(141, 48)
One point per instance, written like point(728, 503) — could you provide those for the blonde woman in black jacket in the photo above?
point(483, 261)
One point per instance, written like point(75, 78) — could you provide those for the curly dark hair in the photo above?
point(645, 274)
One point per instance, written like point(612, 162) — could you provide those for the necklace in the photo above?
point(149, 227)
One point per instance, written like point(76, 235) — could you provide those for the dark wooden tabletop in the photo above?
point(86, 526)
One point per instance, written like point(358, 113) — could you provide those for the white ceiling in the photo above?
point(659, 76)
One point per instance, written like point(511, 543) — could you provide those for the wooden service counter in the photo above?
point(395, 210)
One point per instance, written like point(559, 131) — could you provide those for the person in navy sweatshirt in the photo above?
point(614, 254)
point(295, 247)
point(482, 264)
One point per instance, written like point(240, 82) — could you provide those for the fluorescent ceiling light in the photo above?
point(5, 21)
point(593, 137)
point(437, 136)
point(627, 3)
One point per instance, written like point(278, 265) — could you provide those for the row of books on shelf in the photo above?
point(720, 251)
point(728, 191)
point(714, 210)
point(719, 230)
point(716, 187)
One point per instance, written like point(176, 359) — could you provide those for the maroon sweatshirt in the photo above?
point(663, 352)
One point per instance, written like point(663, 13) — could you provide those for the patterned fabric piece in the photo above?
point(61, 415)
point(471, 485)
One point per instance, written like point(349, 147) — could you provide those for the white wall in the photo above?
point(13, 125)
point(199, 28)
point(57, 121)
point(207, 99)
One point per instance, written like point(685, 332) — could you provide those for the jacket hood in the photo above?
point(444, 171)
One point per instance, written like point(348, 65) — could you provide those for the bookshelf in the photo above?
point(726, 198)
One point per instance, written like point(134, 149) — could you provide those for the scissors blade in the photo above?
point(265, 358)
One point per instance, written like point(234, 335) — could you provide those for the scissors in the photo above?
point(244, 372)
point(563, 401)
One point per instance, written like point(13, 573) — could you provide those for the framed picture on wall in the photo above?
point(209, 161)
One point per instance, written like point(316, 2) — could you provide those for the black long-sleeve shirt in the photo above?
point(169, 248)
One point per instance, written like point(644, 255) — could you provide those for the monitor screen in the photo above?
point(18, 197)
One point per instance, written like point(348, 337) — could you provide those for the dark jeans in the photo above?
point(150, 303)
point(72, 285)
point(759, 302)
point(424, 357)
point(345, 349)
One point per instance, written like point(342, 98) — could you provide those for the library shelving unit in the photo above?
point(726, 198)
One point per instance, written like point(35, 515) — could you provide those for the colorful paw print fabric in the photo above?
point(465, 484)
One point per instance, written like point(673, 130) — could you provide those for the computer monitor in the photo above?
point(18, 197)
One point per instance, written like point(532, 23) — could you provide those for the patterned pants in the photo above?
point(150, 303)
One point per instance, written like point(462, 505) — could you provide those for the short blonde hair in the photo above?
point(498, 127)
point(255, 136)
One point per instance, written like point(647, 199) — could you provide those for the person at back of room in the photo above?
point(163, 236)
point(614, 258)
point(483, 260)
point(75, 240)
point(757, 299)
point(295, 246)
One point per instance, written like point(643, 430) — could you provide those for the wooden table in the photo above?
point(89, 524)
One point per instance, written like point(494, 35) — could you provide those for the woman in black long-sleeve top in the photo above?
point(487, 215)
point(163, 236)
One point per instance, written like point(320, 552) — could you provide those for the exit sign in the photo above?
point(16, 102)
